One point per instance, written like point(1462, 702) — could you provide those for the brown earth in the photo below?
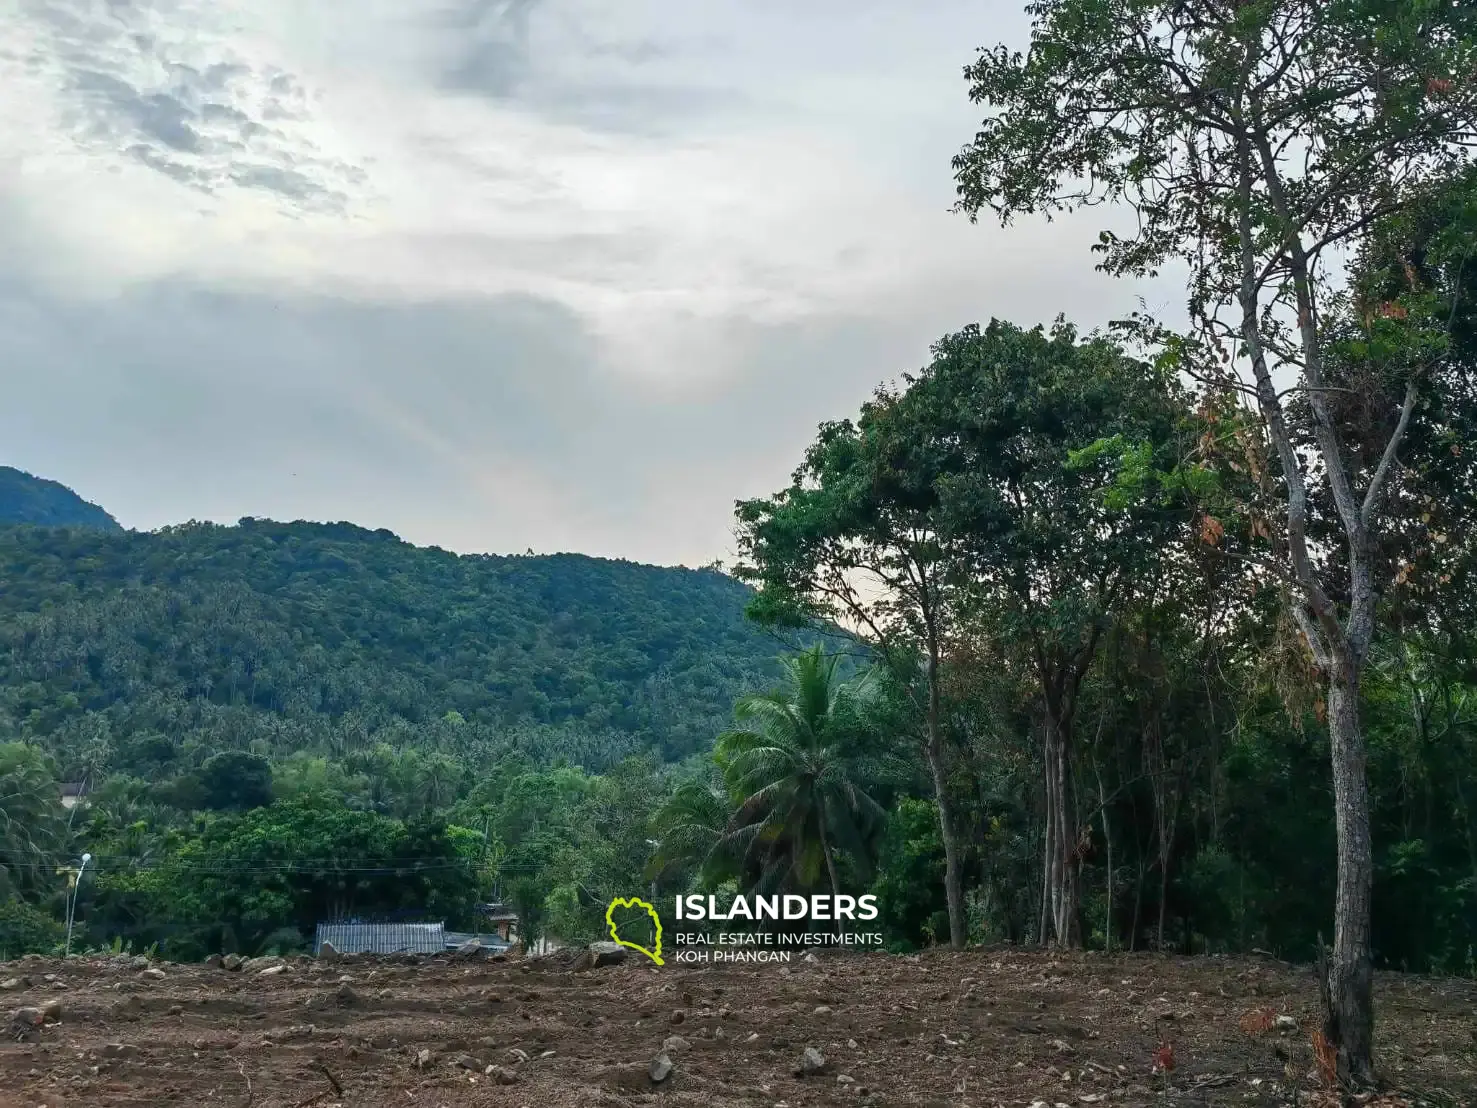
point(997, 1027)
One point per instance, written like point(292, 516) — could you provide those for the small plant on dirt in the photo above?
point(1326, 1057)
point(1258, 1021)
point(1163, 1066)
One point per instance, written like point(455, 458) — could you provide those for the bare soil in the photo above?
point(983, 1028)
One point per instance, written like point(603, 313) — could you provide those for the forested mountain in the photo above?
point(28, 499)
point(154, 651)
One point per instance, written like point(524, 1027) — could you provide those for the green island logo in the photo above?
point(635, 902)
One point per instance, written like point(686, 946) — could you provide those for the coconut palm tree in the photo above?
point(798, 772)
point(31, 825)
point(690, 826)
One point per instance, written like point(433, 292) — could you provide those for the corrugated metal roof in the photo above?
point(382, 938)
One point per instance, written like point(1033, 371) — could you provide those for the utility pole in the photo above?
point(72, 903)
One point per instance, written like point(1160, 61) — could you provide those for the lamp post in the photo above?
point(72, 903)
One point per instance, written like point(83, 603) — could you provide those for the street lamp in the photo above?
point(72, 903)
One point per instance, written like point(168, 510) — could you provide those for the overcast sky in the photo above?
point(494, 274)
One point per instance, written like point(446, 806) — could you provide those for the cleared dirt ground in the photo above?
point(999, 1027)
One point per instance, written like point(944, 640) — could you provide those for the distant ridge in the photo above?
point(26, 498)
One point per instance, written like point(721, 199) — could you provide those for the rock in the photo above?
point(154, 973)
point(810, 959)
point(502, 1075)
point(467, 1062)
point(518, 1055)
point(469, 949)
point(422, 1059)
point(232, 962)
point(812, 1062)
point(678, 1016)
point(843, 1079)
point(328, 952)
point(674, 1044)
point(140, 962)
point(345, 996)
point(214, 962)
point(25, 1020)
point(606, 954)
point(51, 1011)
point(1286, 1023)
point(120, 1050)
point(752, 1037)
point(660, 1068)
point(11, 984)
point(822, 1010)
point(272, 971)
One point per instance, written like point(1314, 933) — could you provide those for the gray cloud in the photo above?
point(220, 123)
point(473, 423)
point(570, 74)
point(491, 45)
point(641, 332)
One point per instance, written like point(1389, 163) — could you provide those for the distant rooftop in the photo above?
point(381, 938)
point(494, 943)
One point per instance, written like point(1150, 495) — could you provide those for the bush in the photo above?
point(26, 929)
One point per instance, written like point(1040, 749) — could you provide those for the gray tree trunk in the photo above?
point(1350, 1016)
point(948, 826)
point(953, 878)
point(1061, 859)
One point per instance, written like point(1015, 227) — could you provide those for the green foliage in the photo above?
point(26, 929)
point(799, 775)
point(236, 781)
point(242, 880)
point(149, 653)
point(31, 825)
point(43, 503)
point(910, 877)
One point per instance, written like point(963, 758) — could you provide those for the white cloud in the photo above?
point(684, 185)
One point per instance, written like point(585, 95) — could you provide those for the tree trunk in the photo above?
point(1138, 905)
point(1350, 1018)
point(1062, 859)
point(1043, 931)
point(953, 876)
point(1108, 844)
point(830, 858)
point(1163, 901)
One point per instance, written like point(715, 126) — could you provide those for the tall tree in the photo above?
point(1025, 429)
point(799, 776)
point(854, 541)
point(32, 832)
point(1254, 140)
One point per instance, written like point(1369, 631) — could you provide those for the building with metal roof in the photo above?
point(494, 943)
point(381, 938)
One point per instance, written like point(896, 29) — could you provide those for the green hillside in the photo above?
point(150, 652)
point(28, 499)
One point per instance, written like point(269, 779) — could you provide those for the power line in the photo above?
point(316, 867)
